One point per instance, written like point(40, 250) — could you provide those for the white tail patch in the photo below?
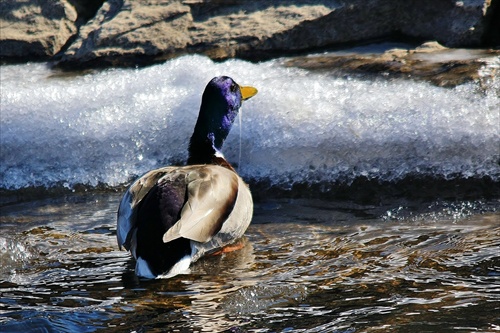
point(181, 267)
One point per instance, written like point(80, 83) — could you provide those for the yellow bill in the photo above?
point(247, 92)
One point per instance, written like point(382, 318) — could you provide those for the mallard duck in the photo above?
point(171, 216)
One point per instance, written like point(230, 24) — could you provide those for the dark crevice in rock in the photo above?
point(255, 54)
point(492, 36)
point(86, 9)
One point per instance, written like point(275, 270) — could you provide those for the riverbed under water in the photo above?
point(377, 202)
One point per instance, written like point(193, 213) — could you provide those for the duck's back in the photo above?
point(174, 213)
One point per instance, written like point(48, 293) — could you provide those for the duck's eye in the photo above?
point(233, 88)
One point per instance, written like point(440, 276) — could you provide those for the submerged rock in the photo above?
point(430, 62)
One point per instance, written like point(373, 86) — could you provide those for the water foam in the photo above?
point(109, 126)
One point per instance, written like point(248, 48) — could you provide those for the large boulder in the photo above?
point(35, 29)
point(128, 32)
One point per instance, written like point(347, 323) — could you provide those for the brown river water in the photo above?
point(307, 265)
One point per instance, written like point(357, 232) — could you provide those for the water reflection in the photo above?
point(307, 266)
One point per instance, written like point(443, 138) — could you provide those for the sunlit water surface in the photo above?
point(306, 266)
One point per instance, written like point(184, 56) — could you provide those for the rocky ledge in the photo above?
point(97, 33)
point(432, 62)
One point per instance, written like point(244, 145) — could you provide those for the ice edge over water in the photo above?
point(110, 126)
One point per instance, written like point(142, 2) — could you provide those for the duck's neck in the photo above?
point(204, 151)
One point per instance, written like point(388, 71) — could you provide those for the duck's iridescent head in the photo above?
point(220, 105)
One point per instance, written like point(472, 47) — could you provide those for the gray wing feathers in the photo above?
point(212, 193)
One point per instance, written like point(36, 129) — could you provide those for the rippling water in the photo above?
point(306, 266)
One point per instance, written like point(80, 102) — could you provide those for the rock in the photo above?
point(430, 62)
point(123, 31)
point(130, 33)
point(451, 23)
point(141, 32)
point(34, 29)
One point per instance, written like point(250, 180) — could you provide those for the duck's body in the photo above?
point(171, 216)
